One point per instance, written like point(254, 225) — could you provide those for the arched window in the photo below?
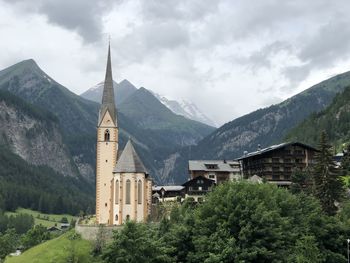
point(116, 217)
point(139, 192)
point(107, 136)
point(127, 192)
point(127, 217)
point(117, 192)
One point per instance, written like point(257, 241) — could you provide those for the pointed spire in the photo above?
point(129, 161)
point(108, 91)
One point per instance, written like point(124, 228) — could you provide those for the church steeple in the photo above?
point(108, 103)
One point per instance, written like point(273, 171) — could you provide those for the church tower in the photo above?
point(106, 149)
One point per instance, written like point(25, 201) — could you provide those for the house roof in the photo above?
point(129, 161)
point(214, 165)
point(275, 147)
point(198, 178)
point(168, 187)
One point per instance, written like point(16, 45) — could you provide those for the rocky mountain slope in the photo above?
point(335, 120)
point(36, 168)
point(33, 134)
point(264, 126)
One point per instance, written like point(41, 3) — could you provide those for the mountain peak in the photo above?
point(185, 108)
point(26, 69)
point(27, 64)
point(126, 82)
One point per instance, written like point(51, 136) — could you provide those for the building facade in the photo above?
point(109, 176)
point(277, 163)
point(168, 192)
point(217, 170)
point(131, 188)
point(198, 187)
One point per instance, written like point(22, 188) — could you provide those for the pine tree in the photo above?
point(328, 187)
point(301, 182)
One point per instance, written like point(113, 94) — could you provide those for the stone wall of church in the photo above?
point(90, 232)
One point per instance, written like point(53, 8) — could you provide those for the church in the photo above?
point(123, 185)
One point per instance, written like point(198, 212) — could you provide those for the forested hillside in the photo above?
point(40, 188)
point(335, 120)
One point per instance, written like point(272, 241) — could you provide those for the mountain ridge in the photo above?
point(125, 88)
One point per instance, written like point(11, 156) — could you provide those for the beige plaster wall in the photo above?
point(105, 162)
point(137, 212)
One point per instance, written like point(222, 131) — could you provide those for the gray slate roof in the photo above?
point(275, 147)
point(222, 166)
point(108, 93)
point(129, 161)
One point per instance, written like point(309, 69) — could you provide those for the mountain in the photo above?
point(335, 120)
point(77, 117)
point(156, 130)
point(185, 108)
point(265, 127)
point(122, 90)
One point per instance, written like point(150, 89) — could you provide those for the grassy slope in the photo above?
point(53, 219)
point(56, 250)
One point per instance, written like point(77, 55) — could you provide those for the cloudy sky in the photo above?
point(229, 57)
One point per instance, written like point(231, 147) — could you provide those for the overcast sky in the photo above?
point(229, 57)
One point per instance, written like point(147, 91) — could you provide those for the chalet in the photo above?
point(167, 192)
point(217, 170)
point(197, 187)
point(277, 162)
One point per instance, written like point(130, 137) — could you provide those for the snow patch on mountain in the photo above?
point(185, 108)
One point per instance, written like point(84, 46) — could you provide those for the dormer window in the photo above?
point(107, 136)
point(211, 166)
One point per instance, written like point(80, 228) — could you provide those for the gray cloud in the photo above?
point(262, 57)
point(232, 49)
point(82, 16)
point(178, 10)
point(326, 47)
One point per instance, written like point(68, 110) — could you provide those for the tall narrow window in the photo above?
point(139, 192)
point(107, 135)
point(127, 192)
point(117, 192)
